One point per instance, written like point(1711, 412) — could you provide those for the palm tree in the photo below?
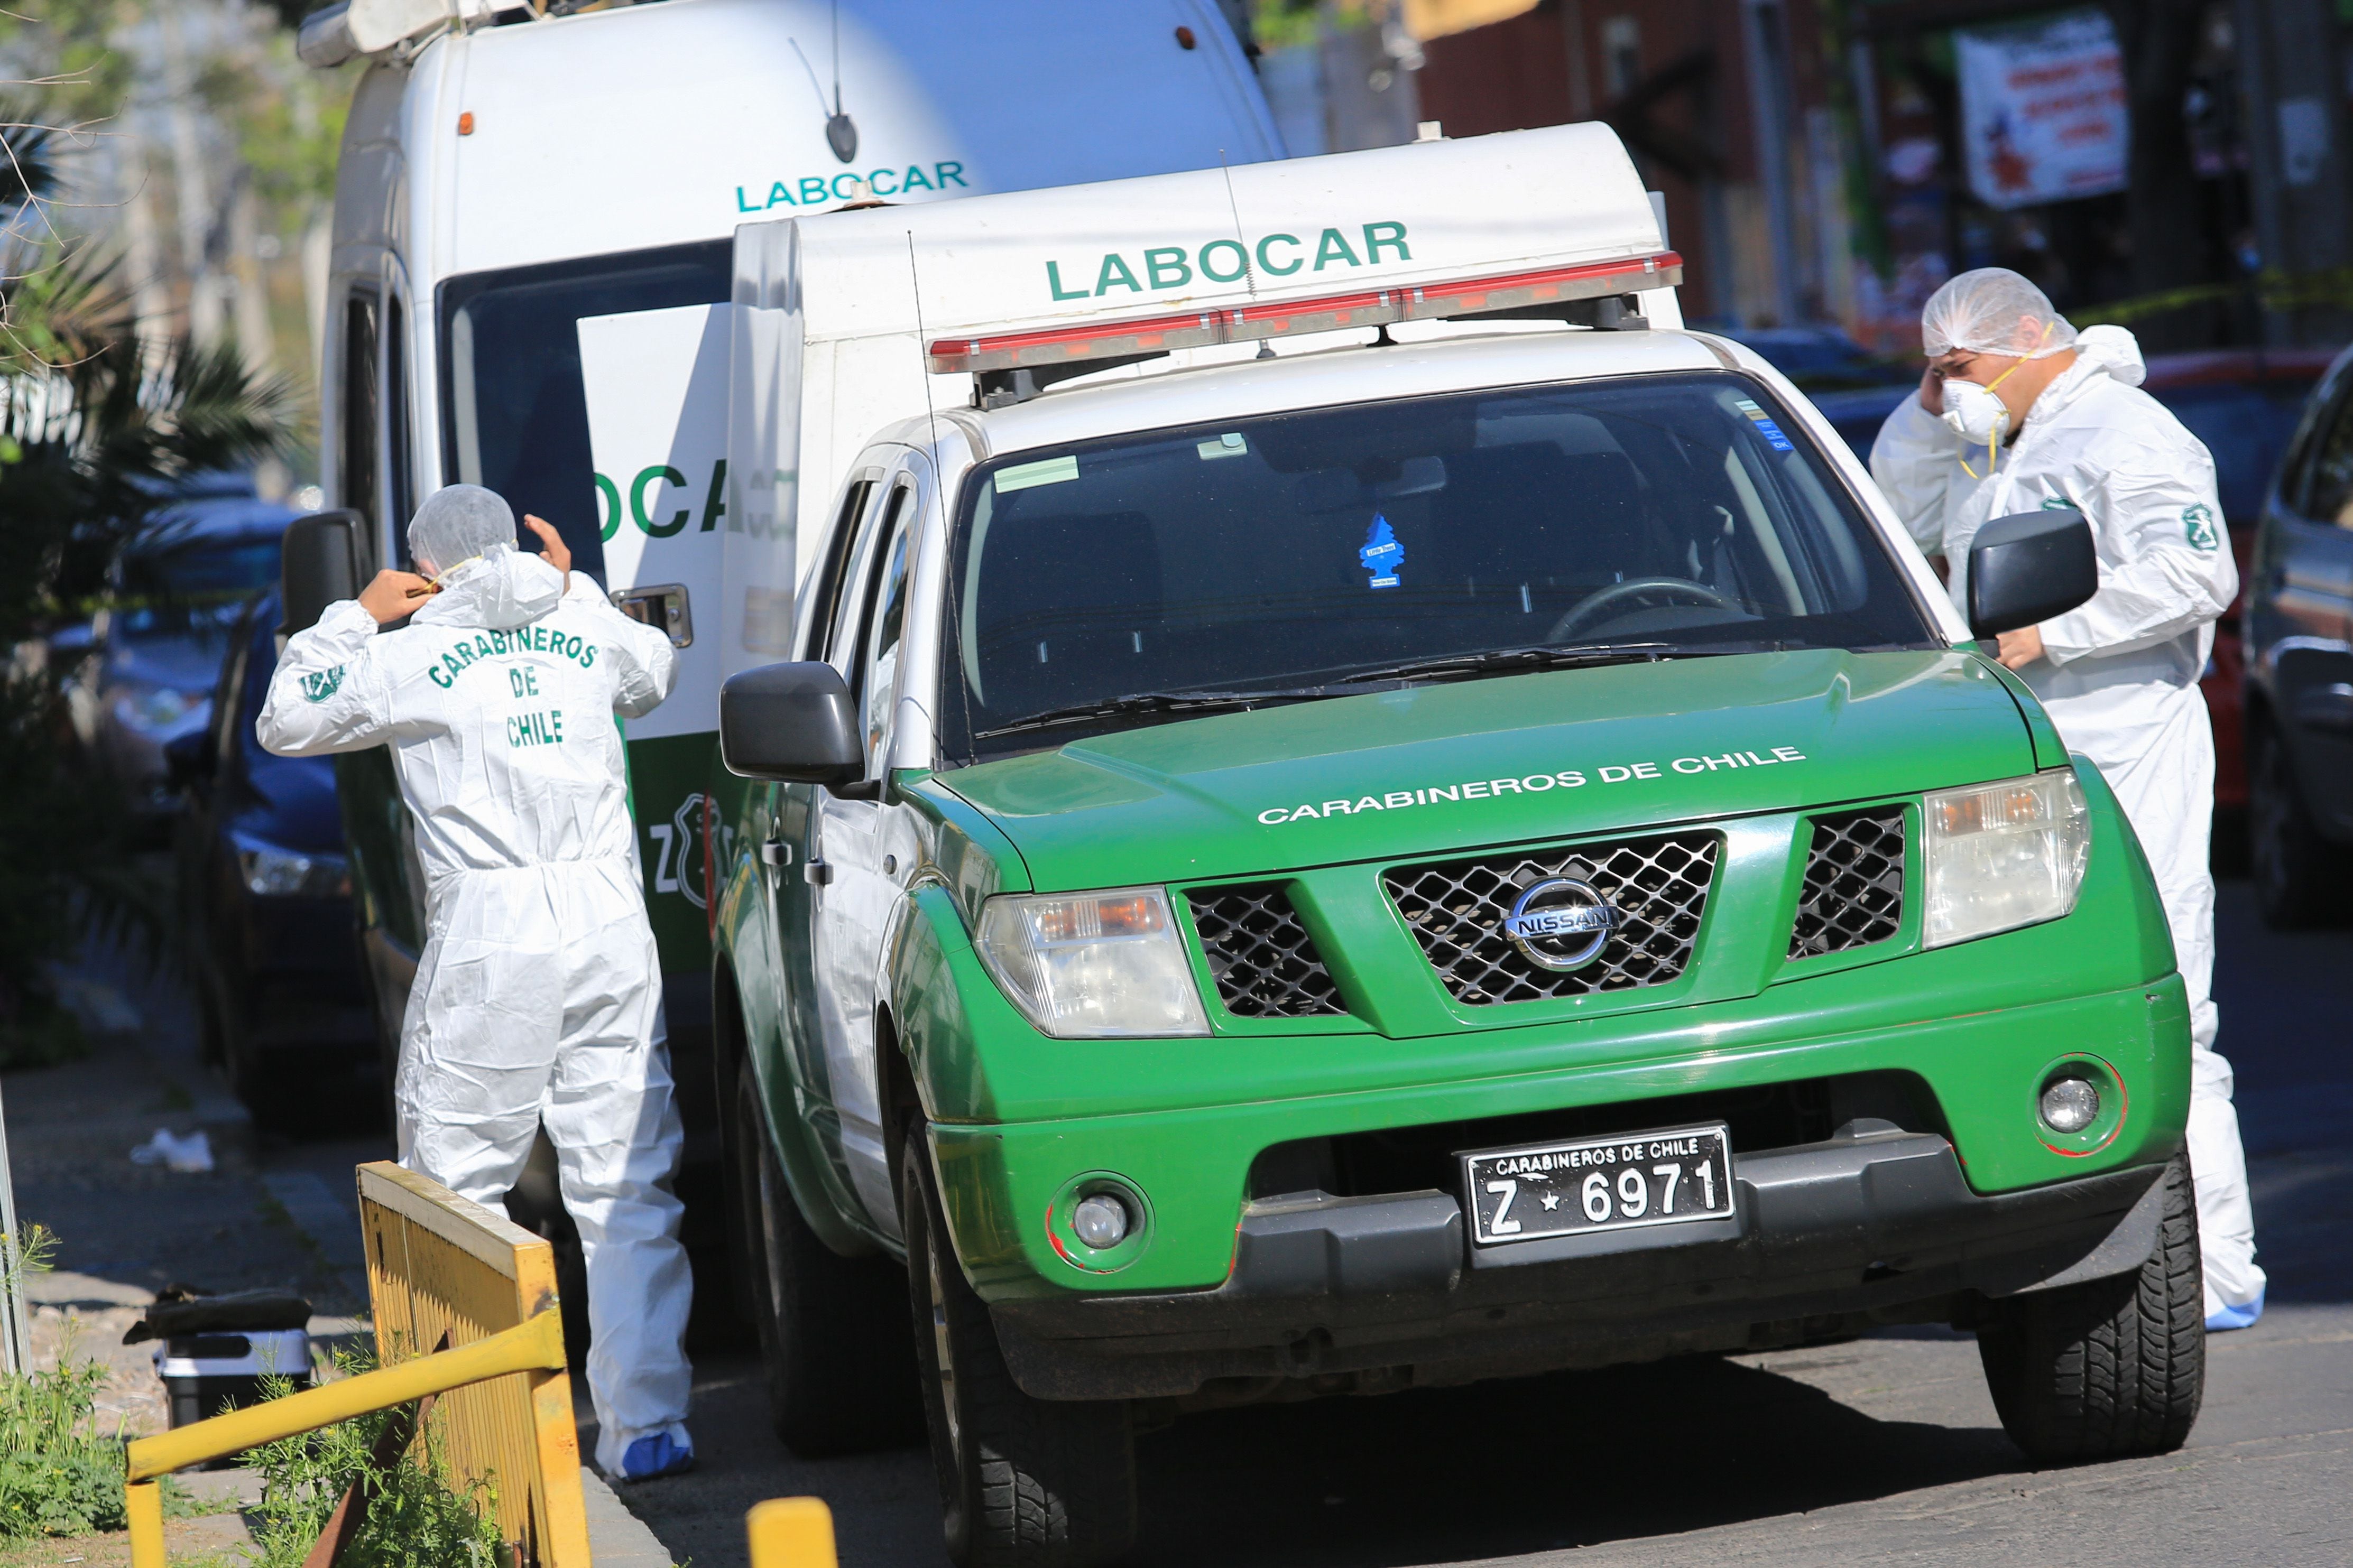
point(95, 426)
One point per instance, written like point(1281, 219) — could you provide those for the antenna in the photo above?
point(932, 419)
point(1250, 273)
point(836, 57)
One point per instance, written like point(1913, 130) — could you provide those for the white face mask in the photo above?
point(1975, 414)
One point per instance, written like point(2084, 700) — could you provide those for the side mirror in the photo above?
point(796, 723)
point(2028, 567)
point(318, 563)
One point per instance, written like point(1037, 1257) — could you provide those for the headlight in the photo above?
point(1093, 965)
point(274, 873)
point(2003, 854)
point(156, 709)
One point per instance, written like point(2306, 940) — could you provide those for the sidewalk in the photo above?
point(270, 1212)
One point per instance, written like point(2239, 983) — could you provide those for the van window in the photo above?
point(514, 415)
point(398, 482)
point(356, 457)
point(1682, 515)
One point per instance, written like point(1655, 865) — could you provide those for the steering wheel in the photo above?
point(1594, 603)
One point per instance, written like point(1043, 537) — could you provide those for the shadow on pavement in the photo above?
point(1503, 1469)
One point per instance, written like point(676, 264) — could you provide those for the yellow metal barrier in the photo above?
point(533, 1346)
point(441, 1270)
point(440, 1265)
point(791, 1532)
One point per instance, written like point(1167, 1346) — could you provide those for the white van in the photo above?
point(532, 257)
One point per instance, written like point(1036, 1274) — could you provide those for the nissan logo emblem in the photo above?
point(1561, 923)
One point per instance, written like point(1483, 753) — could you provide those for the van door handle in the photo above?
point(818, 872)
point(775, 854)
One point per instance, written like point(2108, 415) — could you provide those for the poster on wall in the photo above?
point(2042, 111)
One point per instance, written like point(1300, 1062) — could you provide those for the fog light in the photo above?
point(2070, 1105)
point(1101, 1221)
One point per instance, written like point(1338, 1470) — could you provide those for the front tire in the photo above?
point(1030, 1482)
point(834, 1338)
point(2111, 1368)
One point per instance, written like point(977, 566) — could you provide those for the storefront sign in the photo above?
point(2042, 111)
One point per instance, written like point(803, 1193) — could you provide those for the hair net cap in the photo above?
point(458, 523)
point(1992, 311)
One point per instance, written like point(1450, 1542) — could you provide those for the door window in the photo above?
point(841, 540)
point(2328, 487)
point(356, 455)
point(878, 681)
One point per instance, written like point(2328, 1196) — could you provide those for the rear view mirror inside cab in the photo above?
point(2028, 567)
point(1337, 490)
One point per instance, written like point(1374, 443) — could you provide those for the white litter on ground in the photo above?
point(191, 1155)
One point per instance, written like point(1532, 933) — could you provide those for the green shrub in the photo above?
point(58, 1475)
point(417, 1518)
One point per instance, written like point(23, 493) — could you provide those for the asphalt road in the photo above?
point(1886, 1449)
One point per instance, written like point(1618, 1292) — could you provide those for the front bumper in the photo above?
point(1366, 1294)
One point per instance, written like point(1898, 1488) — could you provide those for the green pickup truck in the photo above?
point(1411, 863)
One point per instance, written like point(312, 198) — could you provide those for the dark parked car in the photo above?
point(156, 647)
point(2300, 669)
point(2243, 403)
point(265, 897)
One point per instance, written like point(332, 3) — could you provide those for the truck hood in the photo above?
point(1432, 769)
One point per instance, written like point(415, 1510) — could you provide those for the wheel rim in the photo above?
point(944, 1356)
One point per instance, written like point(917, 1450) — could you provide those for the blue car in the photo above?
point(266, 899)
point(152, 652)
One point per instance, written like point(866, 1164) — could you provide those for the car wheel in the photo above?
point(2110, 1368)
point(834, 1339)
point(2298, 875)
point(1034, 1482)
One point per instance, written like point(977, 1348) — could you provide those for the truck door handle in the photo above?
point(775, 854)
point(818, 872)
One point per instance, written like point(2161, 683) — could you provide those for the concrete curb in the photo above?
point(618, 1538)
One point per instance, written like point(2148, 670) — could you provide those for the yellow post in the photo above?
point(787, 1532)
point(143, 1501)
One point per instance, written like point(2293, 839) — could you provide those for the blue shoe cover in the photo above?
point(2236, 1317)
point(650, 1458)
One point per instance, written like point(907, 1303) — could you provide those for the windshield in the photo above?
point(1658, 516)
point(192, 588)
point(515, 418)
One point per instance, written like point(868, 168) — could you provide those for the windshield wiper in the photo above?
point(1356, 683)
point(1145, 702)
point(1501, 658)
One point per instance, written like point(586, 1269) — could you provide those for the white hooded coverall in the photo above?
point(538, 996)
point(2119, 675)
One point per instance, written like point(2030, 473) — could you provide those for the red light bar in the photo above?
point(1331, 312)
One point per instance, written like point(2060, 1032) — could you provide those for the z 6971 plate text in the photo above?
point(1598, 1183)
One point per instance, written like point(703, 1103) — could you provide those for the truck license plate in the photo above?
point(1584, 1185)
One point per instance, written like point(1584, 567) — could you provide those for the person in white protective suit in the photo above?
point(2017, 411)
point(538, 997)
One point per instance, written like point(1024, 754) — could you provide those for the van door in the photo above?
point(655, 384)
point(866, 848)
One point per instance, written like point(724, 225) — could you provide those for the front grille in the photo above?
point(1264, 961)
point(1659, 886)
point(1854, 883)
